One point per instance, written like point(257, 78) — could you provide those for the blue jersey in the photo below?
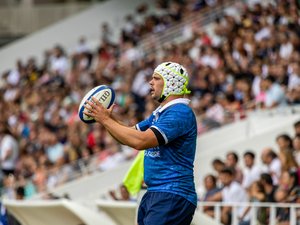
point(170, 166)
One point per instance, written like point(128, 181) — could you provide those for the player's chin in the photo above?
point(153, 95)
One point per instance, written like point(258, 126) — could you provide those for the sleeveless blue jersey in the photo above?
point(170, 166)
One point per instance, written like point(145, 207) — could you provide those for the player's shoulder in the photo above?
point(180, 107)
point(180, 111)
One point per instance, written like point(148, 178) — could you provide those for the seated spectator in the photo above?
point(296, 147)
point(288, 181)
point(257, 194)
point(58, 61)
point(284, 141)
point(297, 128)
point(210, 183)
point(287, 160)
point(232, 160)
point(273, 163)
point(218, 165)
point(8, 190)
point(231, 192)
point(294, 77)
point(282, 214)
point(274, 95)
point(251, 172)
point(9, 152)
point(269, 187)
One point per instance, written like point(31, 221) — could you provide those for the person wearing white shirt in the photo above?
point(9, 151)
point(286, 48)
point(294, 77)
point(274, 94)
point(232, 192)
point(251, 172)
point(58, 62)
point(273, 164)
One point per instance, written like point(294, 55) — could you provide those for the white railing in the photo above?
point(294, 219)
point(284, 110)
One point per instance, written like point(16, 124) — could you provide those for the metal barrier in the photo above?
point(294, 219)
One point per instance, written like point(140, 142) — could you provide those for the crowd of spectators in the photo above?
point(247, 62)
point(274, 178)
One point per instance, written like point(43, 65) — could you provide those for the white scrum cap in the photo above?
point(175, 79)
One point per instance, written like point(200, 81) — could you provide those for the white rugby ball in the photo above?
point(103, 93)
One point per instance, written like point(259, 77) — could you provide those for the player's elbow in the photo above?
point(139, 145)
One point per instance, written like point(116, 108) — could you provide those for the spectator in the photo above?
point(294, 77)
point(273, 163)
point(274, 95)
point(251, 172)
point(218, 165)
point(210, 183)
point(8, 190)
point(58, 61)
point(257, 194)
point(284, 142)
point(288, 181)
point(232, 160)
point(232, 192)
point(282, 214)
point(286, 47)
point(297, 128)
point(296, 147)
point(288, 161)
point(9, 150)
point(269, 187)
point(54, 149)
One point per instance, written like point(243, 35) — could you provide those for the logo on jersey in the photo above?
point(152, 154)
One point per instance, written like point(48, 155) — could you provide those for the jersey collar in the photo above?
point(173, 102)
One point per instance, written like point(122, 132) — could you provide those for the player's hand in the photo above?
point(96, 110)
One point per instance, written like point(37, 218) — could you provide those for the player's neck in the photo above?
point(170, 98)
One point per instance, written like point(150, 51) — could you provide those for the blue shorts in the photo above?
point(162, 208)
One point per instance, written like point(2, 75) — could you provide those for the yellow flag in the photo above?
point(135, 175)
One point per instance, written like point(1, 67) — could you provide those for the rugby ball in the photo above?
point(104, 94)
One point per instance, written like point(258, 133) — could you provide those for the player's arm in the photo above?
point(139, 140)
point(118, 121)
